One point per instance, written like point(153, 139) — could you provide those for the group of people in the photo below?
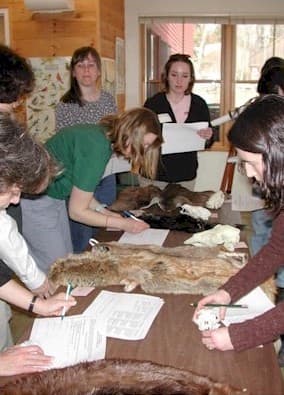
point(66, 195)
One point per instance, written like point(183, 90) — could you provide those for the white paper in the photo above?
point(242, 195)
point(182, 137)
point(257, 302)
point(124, 316)
point(148, 236)
point(71, 340)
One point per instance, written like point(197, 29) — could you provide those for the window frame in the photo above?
point(228, 60)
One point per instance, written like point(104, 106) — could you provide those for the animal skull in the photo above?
point(227, 235)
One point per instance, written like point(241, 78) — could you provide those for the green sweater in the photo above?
point(83, 151)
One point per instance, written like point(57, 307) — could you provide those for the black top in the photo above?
point(6, 274)
point(180, 166)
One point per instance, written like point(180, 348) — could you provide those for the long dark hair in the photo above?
point(178, 57)
point(271, 81)
point(74, 95)
point(260, 129)
point(16, 76)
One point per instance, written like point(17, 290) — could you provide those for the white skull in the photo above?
point(207, 319)
point(227, 235)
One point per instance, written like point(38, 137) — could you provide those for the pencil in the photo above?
point(240, 306)
point(130, 215)
point(68, 291)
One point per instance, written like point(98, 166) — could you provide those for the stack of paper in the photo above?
point(81, 338)
point(71, 340)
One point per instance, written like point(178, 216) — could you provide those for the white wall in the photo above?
point(147, 8)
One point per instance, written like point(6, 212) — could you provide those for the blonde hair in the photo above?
point(129, 129)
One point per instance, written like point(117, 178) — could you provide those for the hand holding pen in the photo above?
point(220, 298)
point(132, 224)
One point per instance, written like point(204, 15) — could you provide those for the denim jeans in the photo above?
point(262, 224)
point(80, 233)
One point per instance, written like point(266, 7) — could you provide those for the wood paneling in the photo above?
point(94, 22)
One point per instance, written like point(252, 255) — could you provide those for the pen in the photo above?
point(130, 215)
point(68, 291)
point(240, 306)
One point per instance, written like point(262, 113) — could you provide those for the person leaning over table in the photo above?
point(178, 104)
point(86, 102)
point(84, 151)
point(258, 136)
point(24, 166)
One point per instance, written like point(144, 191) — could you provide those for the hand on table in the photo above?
point(23, 359)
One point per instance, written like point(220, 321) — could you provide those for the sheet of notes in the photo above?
point(71, 340)
point(124, 316)
point(148, 236)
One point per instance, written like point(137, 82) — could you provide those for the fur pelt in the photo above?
point(185, 269)
point(166, 200)
point(116, 377)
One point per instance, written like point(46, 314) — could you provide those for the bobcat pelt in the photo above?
point(184, 269)
point(155, 200)
point(117, 377)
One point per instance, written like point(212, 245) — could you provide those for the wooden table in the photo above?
point(174, 340)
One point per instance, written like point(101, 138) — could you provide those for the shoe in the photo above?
point(280, 294)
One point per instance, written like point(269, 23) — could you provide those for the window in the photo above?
point(227, 59)
point(4, 27)
point(254, 44)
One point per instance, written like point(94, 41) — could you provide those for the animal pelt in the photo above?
point(184, 269)
point(117, 377)
point(158, 200)
point(178, 222)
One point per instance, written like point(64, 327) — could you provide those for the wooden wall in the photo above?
point(94, 22)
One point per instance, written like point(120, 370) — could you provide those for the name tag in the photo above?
point(164, 118)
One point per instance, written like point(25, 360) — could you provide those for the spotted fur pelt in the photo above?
point(185, 269)
point(117, 377)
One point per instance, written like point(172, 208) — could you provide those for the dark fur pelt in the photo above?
point(181, 222)
point(116, 377)
point(168, 199)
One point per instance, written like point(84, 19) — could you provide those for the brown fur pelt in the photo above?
point(116, 377)
point(184, 269)
point(168, 199)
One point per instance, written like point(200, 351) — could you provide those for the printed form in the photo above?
point(71, 340)
point(123, 315)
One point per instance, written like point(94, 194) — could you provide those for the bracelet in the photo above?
point(31, 306)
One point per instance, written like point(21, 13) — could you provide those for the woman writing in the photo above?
point(24, 166)
point(178, 104)
point(84, 151)
point(258, 136)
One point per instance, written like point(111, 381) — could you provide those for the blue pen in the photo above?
point(130, 215)
point(68, 292)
